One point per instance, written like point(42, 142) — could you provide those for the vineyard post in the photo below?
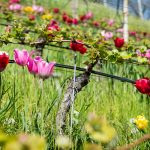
point(33, 2)
point(105, 3)
point(125, 27)
point(74, 4)
point(140, 9)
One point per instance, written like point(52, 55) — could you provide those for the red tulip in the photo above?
point(4, 60)
point(31, 17)
point(74, 45)
point(119, 42)
point(75, 21)
point(65, 17)
point(69, 21)
point(83, 18)
point(132, 33)
point(143, 85)
point(14, 1)
point(56, 10)
point(96, 24)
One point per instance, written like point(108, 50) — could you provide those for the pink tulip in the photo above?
point(139, 53)
point(53, 22)
point(89, 15)
point(111, 22)
point(120, 30)
point(38, 9)
point(147, 54)
point(15, 7)
point(45, 69)
point(38, 66)
point(21, 57)
point(53, 25)
point(107, 35)
point(32, 64)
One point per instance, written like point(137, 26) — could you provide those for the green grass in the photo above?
point(31, 106)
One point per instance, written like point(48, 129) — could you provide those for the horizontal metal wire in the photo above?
point(122, 79)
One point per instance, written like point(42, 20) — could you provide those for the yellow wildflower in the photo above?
point(63, 142)
point(88, 146)
point(33, 142)
point(13, 145)
point(28, 9)
point(47, 16)
point(99, 129)
point(141, 122)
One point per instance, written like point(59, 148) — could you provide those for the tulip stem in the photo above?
point(0, 89)
point(25, 102)
point(42, 106)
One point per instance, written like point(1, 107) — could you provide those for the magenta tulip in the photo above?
point(14, 1)
point(21, 57)
point(45, 69)
point(32, 64)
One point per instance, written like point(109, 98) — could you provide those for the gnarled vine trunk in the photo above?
point(81, 81)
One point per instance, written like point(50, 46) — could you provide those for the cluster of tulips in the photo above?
point(14, 5)
point(36, 66)
point(74, 21)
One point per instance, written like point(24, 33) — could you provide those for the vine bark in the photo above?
point(81, 81)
